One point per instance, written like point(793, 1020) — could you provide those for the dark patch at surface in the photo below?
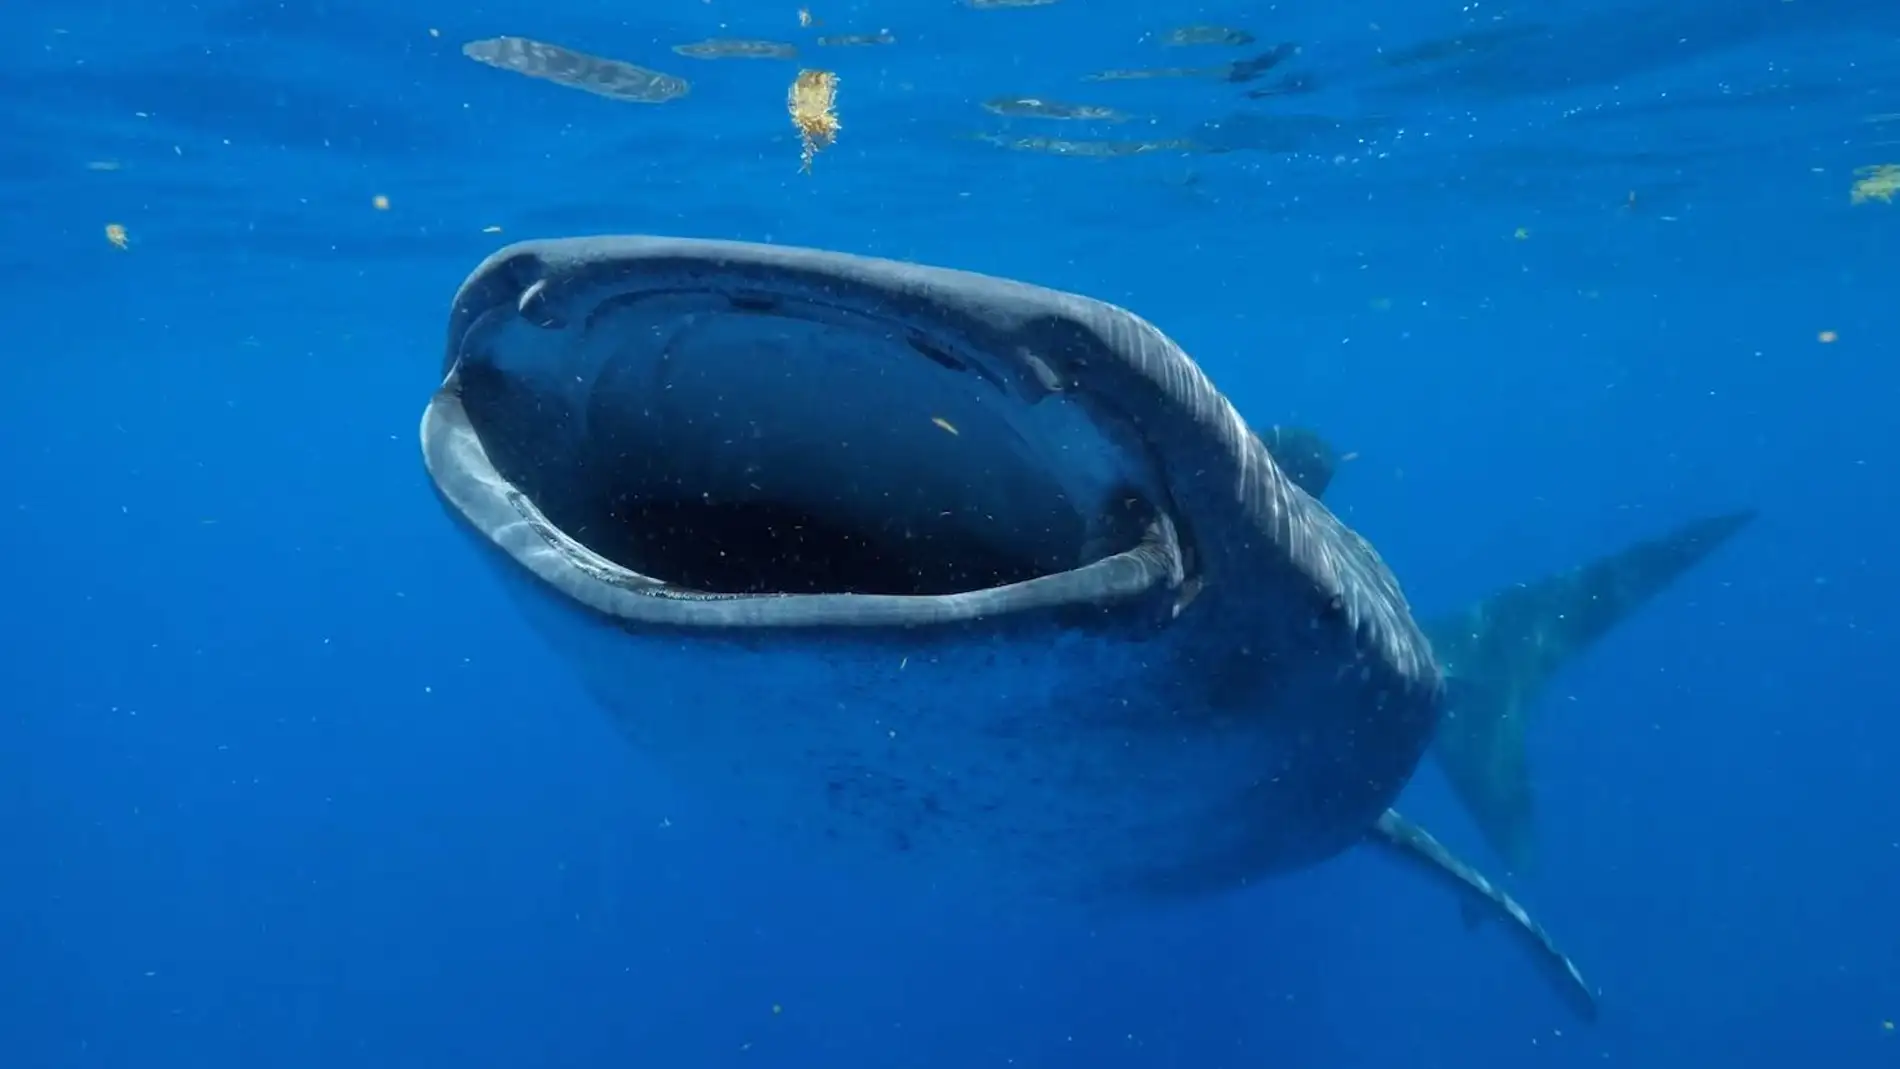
point(1246, 70)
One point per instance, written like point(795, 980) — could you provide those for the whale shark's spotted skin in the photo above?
point(926, 567)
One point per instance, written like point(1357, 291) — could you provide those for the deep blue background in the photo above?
point(284, 782)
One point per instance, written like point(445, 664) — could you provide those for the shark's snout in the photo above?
point(702, 430)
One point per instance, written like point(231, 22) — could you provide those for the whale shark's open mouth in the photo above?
point(706, 431)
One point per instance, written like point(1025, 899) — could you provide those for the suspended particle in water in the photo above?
point(812, 102)
point(379, 202)
point(115, 233)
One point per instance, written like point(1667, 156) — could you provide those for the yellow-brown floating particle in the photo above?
point(812, 102)
point(1878, 182)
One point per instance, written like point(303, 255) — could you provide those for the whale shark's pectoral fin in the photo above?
point(1500, 653)
point(1478, 897)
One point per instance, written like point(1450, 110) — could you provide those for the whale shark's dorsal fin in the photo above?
point(1500, 653)
point(1479, 897)
point(1305, 457)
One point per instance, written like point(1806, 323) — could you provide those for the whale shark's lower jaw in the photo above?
point(685, 445)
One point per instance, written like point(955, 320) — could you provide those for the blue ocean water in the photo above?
point(285, 782)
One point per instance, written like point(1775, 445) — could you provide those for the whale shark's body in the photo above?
point(934, 567)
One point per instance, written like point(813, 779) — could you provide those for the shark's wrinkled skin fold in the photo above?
point(931, 566)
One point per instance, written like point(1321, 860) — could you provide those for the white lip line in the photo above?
point(464, 476)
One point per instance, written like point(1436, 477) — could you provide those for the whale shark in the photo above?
point(961, 574)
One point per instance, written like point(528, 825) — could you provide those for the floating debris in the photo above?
point(1038, 108)
point(379, 202)
point(984, 5)
point(812, 101)
point(729, 48)
point(805, 19)
point(858, 40)
point(103, 165)
point(1101, 150)
point(1878, 182)
point(116, 235)
point(1187, 36)
point(609, 78)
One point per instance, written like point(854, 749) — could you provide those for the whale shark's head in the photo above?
point(728, 435)
point(690, 433)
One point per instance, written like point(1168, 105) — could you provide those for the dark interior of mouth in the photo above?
point(749, 455)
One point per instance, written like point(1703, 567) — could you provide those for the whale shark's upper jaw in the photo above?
point(691, 433)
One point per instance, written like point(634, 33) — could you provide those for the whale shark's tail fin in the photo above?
point(1500, 653)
